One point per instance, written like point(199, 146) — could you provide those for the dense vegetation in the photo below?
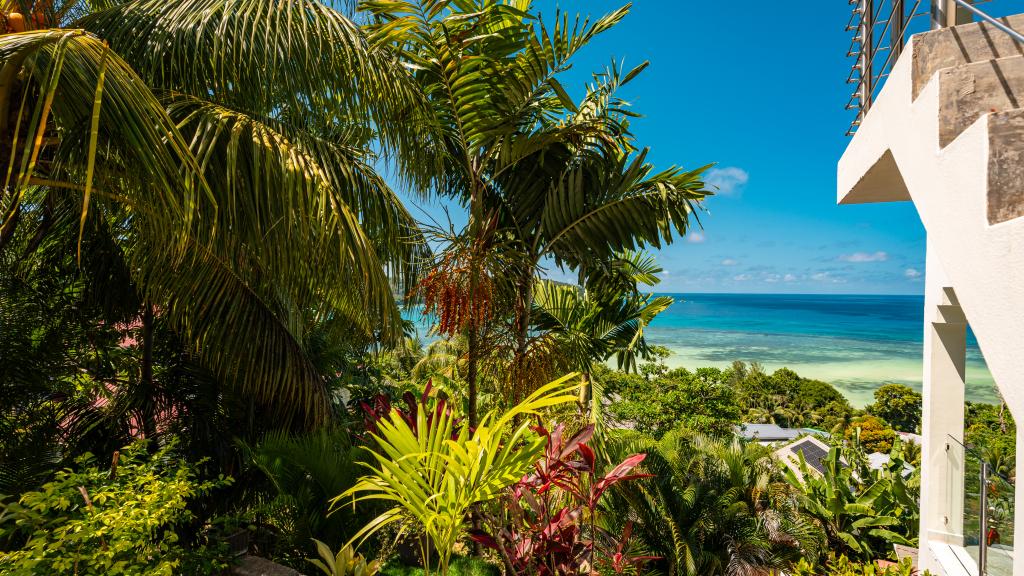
point(202, 274)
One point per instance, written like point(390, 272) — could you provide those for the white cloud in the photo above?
point(826, 277)
point(728, 181)
point(789, 278)
point(865, 257)
point(772, 278)
point(912, 273)
point(695, 238)
point(729, 262)
point(742, 277)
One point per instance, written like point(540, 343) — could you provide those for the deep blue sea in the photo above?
point(857, 343)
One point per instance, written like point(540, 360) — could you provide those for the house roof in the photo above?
point(879, 460)
point(813, 450)
point(773, 432)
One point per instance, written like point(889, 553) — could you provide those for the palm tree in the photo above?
point(714, 507)
point(544, 176)
point(224, 147)
point(605, 318)
point(303, 473)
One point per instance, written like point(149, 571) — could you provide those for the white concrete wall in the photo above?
point(942, 459)
point(896, 155)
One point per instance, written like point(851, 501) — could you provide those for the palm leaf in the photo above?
point(434, 474)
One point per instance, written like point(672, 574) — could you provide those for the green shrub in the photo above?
point(872, 433)
point(843, 566)
point(347, 562)
point(710, 507)
point(864, 512)
point(662, 400)
point(118, 520)
point(460, 566)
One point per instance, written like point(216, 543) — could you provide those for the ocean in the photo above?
point(856, 343)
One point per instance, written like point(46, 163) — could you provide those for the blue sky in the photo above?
point(757, 88)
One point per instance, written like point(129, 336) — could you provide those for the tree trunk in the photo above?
point(476, 233)
point(587, 396)
point(523, 313)
point(148, 415)
point(471, 375)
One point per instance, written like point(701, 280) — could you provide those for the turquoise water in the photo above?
point(857, 343)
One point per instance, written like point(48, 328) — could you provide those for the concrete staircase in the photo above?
point(947, 132)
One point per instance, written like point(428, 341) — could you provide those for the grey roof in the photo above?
point(773, 432)
point(767, 432)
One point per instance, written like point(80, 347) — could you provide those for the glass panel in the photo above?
point(994, 528)
point(1000, 524)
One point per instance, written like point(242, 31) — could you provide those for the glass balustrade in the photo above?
point(986, 499)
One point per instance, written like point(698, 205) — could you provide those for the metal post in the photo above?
point(867, 54)
point(939, 14)
point(946, 13)
point(961, 15)
point(983, 521)
point(897, 25)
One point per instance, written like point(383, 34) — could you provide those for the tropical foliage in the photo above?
point(130, 517)
point(605, 318)
point(233, 184)
point(715, 507)
point(550, 521)
point(299, 474)
point(433, 472)
point(345, 563)
point(872, 433)
point(991, 430)
point(843, 566)
point(655, 404)
point(542, 175)
point(202, 258)
point(898, 405)
point(863, 511)
point(715, 401)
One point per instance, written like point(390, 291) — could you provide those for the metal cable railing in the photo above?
point(881, 30)
point(985, 17)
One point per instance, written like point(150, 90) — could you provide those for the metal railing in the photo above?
point(987, 507)
point(882, 28)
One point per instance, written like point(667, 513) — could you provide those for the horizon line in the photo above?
point(785, 293)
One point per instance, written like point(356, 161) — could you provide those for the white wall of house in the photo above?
point(975, 272)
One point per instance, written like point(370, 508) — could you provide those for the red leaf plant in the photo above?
point(549, 518)
point(380, 407)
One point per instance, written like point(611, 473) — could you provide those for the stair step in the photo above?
point(963, 44)
point(949, 297)
point(949, 314)
point(1006, 166)
point(969, 91)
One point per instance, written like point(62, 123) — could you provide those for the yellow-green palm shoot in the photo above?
point(345, 563)
point(433, 477)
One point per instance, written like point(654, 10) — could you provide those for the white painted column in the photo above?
point(942, 459)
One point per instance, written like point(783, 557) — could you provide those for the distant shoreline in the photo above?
point(856, 342)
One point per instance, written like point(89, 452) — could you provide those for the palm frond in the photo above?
point(632, 208)
point(274, 58)
point(53, 79)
